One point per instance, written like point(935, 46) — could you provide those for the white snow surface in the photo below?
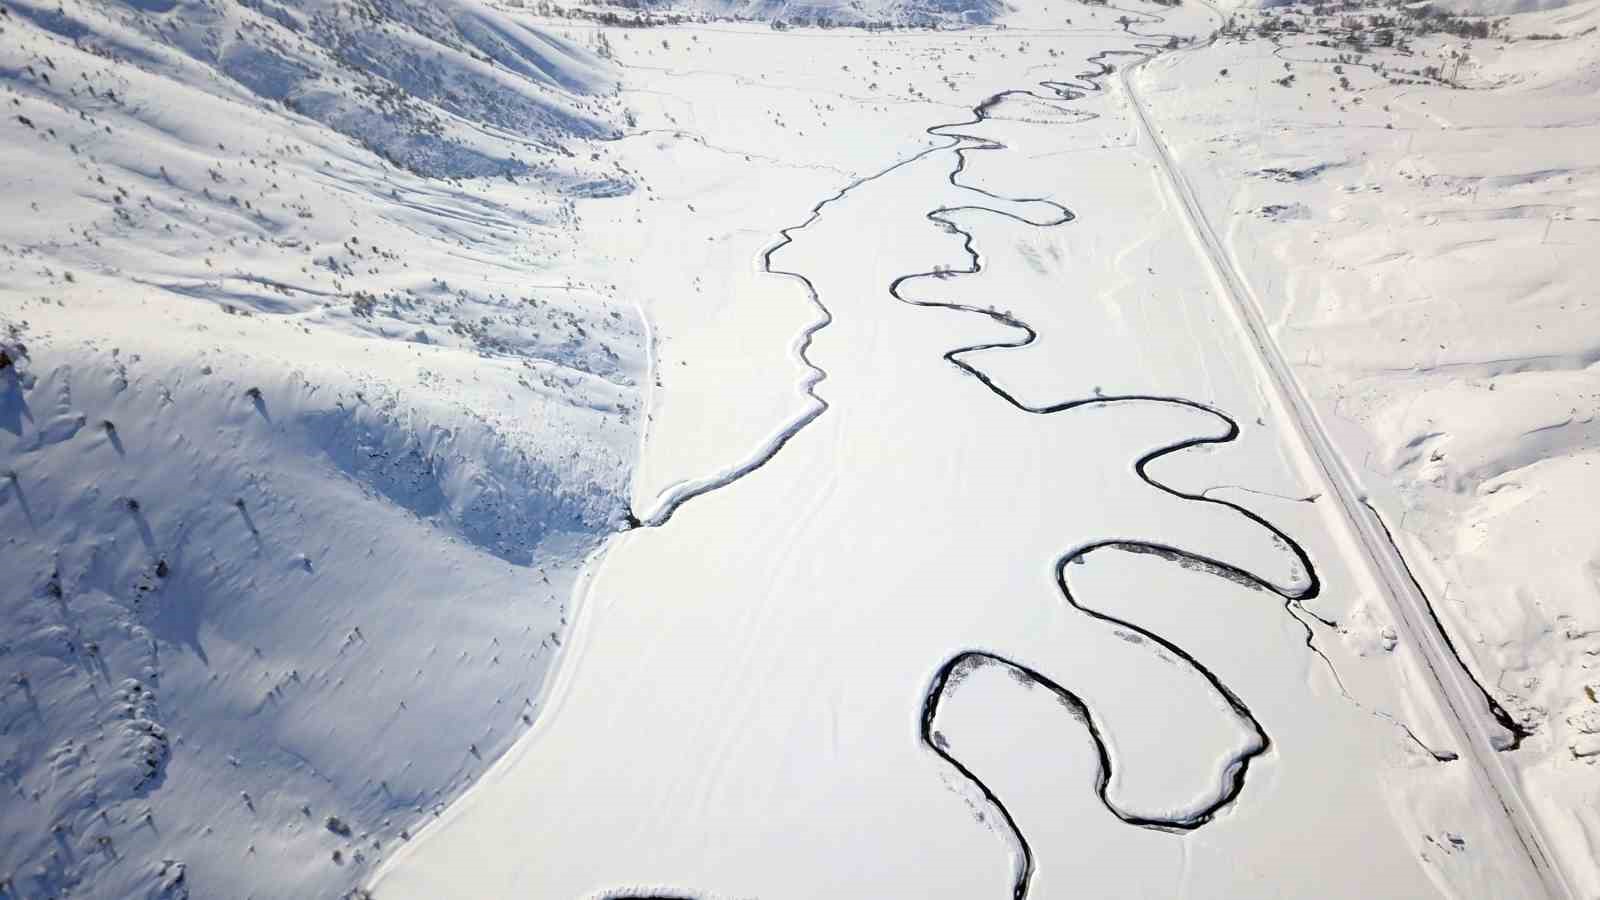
point(443, 88)
point(740, 709)
point(849, 12)
point(315, 444)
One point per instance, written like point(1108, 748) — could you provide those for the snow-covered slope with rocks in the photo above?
point(779, 14)
point(922, 13)
point(302, 444)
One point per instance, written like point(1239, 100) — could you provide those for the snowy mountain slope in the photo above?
point(300, 449)
point(852, 12)
point(447, 89)
point(244, 597)
point(1422, 243)
point(783, 14)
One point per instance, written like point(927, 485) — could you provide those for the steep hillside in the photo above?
point(1418, 219)
point(301, 444)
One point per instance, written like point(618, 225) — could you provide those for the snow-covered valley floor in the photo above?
point(1091, 620)
point(908, 463)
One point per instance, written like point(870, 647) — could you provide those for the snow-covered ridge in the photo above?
point(447, 89)
point(780, 14)
point(1433, 295)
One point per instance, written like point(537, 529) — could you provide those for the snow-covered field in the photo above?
point(925, 462)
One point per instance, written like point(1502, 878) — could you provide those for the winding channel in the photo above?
point(1238, 768)
point(954, 668)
